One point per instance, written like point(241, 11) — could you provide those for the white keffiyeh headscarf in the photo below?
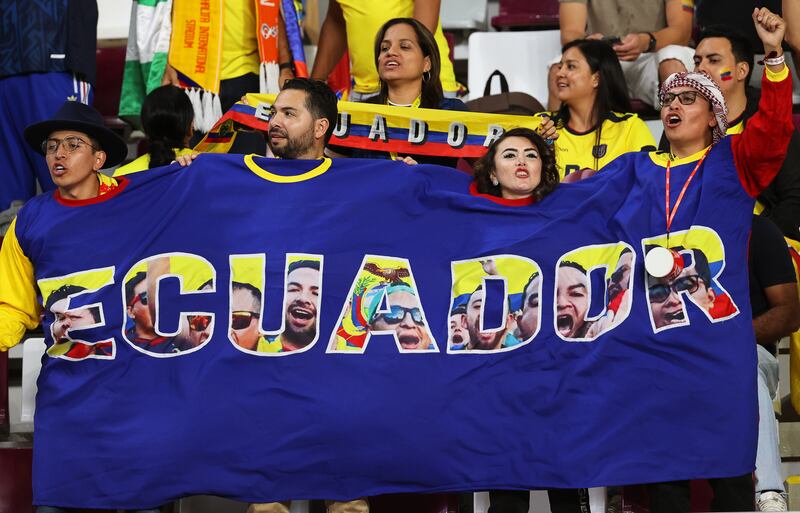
point(708, 89)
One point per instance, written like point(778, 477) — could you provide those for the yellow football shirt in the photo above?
point(363, 19)
point(239, 43)
point(621, 133)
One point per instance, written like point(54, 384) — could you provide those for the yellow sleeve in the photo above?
point(640, 137)
point(19, 308)
point(773, 76)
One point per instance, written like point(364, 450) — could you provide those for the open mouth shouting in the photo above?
point(58, 170)
point(674, 317)
point(301, 315)
point(672, 120)
point(565, 324)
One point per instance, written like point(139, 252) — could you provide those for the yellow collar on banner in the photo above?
point(661, 158)
point(272, 177)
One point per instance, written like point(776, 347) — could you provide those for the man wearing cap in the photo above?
point(76, 145)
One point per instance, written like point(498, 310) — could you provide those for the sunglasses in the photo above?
point(199, 322)
point(242, 319)
point(686, 98)
point(70, 144)
point(659, 293)
point(141, 297)
point(397, 313)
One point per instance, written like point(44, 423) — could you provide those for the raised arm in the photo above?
point(427, 13)
point(759, 151)
point(572, 21)
point(19, 308)
point(332, 42)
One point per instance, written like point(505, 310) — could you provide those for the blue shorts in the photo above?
point(27, 99)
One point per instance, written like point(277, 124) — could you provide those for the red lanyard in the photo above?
point(671, 215)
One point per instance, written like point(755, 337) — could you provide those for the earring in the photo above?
point(426, 76)
point(494, 181)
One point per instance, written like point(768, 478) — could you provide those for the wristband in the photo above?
point(651, 46)
point(773, 59)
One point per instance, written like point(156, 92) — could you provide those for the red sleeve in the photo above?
point(760, 149)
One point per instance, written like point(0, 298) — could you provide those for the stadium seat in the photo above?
point(16, 456)
point(526, 14)
point(464, 14)
point(521, 56)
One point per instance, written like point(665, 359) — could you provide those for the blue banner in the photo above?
point(269, 330)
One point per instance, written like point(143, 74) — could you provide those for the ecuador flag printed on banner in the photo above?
point(383, 128)
point(270, 330)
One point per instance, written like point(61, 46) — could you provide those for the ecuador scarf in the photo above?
point(400, 130)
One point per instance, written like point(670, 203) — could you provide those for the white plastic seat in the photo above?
point(521, 56)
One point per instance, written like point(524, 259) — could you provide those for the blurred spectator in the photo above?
point(648, 36)
point(350, 25)
point(47, 56)
point(167, 117)
point(735, 14)
point(725, 54)
point(593, 122)
point(408, 64)
point(776, 314)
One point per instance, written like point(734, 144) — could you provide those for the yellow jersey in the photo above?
point(239, 43)
point(621, 133)
point(363, 19)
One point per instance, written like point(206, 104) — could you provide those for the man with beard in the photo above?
point(487, 340)
point(302, 120)
point(572, 300)
point(528, 320)
point(302, 301)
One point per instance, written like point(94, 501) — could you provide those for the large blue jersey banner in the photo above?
point(269, 330)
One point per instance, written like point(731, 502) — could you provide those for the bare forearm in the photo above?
point(775, 323)
point(332, 44)
point(427, 13)
point(672, 36)
point(791, 13)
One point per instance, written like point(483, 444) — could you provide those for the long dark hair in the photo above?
point(167, 117)
point(549, 176)
point(431, 85)
point(612, 89)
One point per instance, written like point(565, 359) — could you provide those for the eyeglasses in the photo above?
point(199, 322)
point(659, 293)
point(141, 297)
point(242, 319)
point(69, 143)
point(686, 98)
point(397, 313)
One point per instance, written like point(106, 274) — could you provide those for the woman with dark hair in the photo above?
point(167, 118)
point(519, 167)
point(408, 64)
point(594, 123)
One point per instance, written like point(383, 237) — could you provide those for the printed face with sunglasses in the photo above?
point(405, 319)
point(139, 311)
point(665, 300)
point(687, 116)
point(245, 317)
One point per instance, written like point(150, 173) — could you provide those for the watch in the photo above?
point(651, 47)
